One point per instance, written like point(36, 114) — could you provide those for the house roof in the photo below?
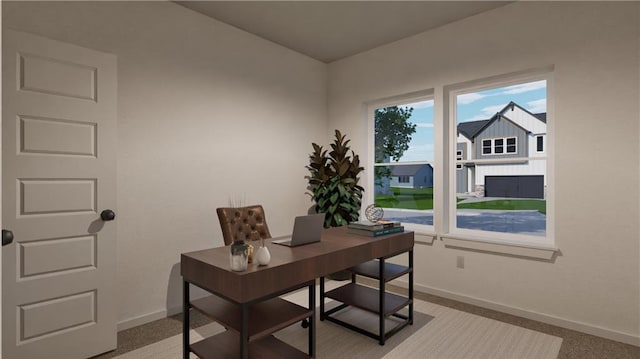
point(472, 128)
point(542, 116)
point(406, 170)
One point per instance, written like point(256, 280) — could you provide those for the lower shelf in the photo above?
point(226, 345)
point(371, 269)
point(264, 317)
point(368, 299)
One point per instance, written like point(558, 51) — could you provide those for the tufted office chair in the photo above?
point(243, 223)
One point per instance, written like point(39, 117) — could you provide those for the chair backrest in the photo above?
point(243, 223)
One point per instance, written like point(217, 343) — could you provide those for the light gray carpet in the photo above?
point(438, 332)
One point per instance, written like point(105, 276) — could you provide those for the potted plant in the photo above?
point(333, 182)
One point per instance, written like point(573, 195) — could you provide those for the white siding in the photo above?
point(533, 167)
point(533, 146)
point(525, 120)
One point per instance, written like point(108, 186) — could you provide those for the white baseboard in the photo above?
point(142, 319)
point(540, 317)
point(160, 314)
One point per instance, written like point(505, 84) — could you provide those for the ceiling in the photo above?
point(332, 30)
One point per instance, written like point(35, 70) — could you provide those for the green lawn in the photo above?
point(409, 198)
point(509, 204)
point(422, 198)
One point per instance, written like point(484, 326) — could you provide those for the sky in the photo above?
point(472, 106)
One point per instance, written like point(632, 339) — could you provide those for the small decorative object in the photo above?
point(262, 255)
point(249, 253)
point(239, 256)
point(373, 213)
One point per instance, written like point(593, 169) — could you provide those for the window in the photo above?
point(496, 146)
point(511, 145)
point(539, 143)
point(486, 147)
point(403, 148)
point(496, 183)
point(499, 196)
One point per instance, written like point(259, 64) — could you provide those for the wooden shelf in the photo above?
point(226, 345)
point(371, 269)
point(265, 317)
point(368, 299)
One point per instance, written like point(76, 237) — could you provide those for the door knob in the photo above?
point(107, 215)
point(7, 237)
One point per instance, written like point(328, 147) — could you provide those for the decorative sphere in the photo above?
point(373, 213)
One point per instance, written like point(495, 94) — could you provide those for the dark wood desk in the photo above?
point(240, 296)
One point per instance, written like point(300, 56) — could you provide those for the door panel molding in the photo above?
point(59, 172)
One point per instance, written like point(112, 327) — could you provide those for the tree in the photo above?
point(392, 136)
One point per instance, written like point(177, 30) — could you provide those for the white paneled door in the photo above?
point(58, 199)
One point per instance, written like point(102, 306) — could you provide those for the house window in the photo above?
point(539, 143)
point(403, 148)
point(498, 146)
point(458, 159)
point(486, 147)
point(510, 192)
point(511, 145)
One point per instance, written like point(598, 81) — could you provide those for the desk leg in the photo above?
point(381, 292)
point(312, 325)
point(185, 320)
point(411, 287)
point(244, 332)
point(321, 298)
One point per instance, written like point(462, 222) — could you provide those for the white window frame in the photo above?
point(515, 145)
point(490, 147)
point(449, 229)
point(459, 158)
point(424, 233)
point(542, 137)
point(494, 146)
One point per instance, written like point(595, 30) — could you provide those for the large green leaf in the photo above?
point(343, 191)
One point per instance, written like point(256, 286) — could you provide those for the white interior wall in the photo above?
point(190, 87)
point(593, 284)
point(206, 113)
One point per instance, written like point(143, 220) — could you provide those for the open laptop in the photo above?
point(306, 229)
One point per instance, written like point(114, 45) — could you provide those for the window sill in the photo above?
point(421, 235)
point(537, 251)
point(425, 238)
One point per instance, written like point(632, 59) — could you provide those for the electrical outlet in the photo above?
point(460, 262)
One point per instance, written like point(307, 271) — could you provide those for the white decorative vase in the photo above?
point(263, 256)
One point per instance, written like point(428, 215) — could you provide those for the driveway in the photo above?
point(521, 222)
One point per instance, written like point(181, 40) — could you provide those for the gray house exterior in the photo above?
point(411, 176)
point(515, 137)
